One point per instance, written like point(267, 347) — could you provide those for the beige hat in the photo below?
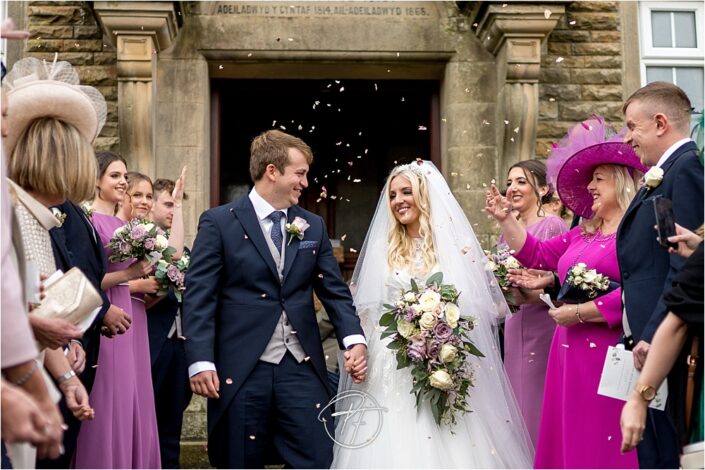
point(36, 89)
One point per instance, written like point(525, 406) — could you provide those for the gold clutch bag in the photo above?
point(73, 298)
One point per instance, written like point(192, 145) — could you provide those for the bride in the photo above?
point(419, 229)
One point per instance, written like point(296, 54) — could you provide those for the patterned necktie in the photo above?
point(276, 232)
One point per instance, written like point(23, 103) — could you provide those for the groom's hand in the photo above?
point(206, 384)
point(356, 362)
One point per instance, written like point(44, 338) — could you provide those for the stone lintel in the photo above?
point(157, 19)
point(497, 23)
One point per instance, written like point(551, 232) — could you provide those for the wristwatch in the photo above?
point(68, 375)
point(647, 392)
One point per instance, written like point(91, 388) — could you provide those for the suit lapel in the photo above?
point(245, 213)
point(291, 249)
point(57, 236)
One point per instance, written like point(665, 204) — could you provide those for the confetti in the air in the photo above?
point(220, 67)
point(547, 13)
point(343, 237)
point(423, 128)
point(572, 23)
point(353, 250)
point(559, 60)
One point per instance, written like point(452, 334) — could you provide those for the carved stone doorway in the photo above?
point(357, 129)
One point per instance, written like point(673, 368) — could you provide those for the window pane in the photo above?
point(691, 80)
point(661, 28)
point(684, 22)
point(659, 74)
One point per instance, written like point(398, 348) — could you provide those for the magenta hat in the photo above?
point(572, 161)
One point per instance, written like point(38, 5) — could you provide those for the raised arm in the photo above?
point(176, 237)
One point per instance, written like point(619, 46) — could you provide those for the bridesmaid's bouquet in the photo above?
point(431, 339)
point(583, 285)
point(172, 275)
point(140, 239)
point(500, 261)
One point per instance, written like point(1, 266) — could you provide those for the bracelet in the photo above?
point(68, 375)
point(577, 313)
point(22, 380)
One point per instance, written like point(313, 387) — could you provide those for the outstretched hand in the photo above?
point(498, 206)
point(531, 278)
point(356, 362)
point(179, 184)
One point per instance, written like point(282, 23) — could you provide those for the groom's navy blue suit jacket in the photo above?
point(646, 267)
point(234, 299)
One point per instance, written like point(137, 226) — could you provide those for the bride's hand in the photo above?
point(498, 206)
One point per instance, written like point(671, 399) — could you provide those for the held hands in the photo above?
point(356, 362)
point(115, 322)
point(639, 353)
point(633, 422)
point(77, 399)
point(687, 242)
point(565, 315)
point(206, 384)
point(76, 357)
point(53, 333)
point(498, 206)
point(22, 420)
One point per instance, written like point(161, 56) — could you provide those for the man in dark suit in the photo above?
point(252, 340)
point(658, 118)
point(172, 392)
point(76, 244)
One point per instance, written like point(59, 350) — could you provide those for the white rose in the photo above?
point(491, 265)
point(448, 353)
point(590, 276)
point(452, 314)
point(428, 321)
point(410, 297)
point(512, 263)
point(653, 177)
point(429, 300)
point(441, 380)
point(119, 231)
point(148, 227)
point(161, 243)
point(405, 328)
point(163, 263)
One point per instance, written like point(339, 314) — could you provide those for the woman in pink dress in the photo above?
point(124, 431)
point(579, 428)
point(528, 332)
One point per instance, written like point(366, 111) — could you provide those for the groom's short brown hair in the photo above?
point(272, 147)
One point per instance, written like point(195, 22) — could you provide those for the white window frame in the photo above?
point(651, 52)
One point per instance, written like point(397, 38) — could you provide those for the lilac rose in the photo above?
point(410, 314)
point(433, 348)
point(416, 349)
point(149, 244)
point(442, 331)
point(138, 232)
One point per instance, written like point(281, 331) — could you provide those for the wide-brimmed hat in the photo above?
point(572, 162)
point(36, 89)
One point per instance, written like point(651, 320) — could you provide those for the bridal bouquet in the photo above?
point(172, 275)
point(140, 239)
point(500, 261)
point(431, 338)
point(582, 285)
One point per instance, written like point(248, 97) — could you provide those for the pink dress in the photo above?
point(527, 340)
point(579, 428)
point(124, 431)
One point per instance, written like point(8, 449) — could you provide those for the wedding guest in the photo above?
point(528, 332)
point(124, 433)
point(596, 180)
point(50, 160)
point(658, 119)
point(172, 392)
point(668, 356)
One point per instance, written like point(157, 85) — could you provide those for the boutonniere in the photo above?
point(296, 229)
point(87, 209)
point(60, 216)
point(653, 177)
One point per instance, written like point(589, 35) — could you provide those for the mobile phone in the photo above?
point(665, 222)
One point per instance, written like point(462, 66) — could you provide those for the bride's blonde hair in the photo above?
point(401, 246)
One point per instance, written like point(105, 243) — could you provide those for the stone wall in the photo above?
point(71, 29)
point(581, 71)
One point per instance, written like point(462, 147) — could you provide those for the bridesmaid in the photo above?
point(124, 431)
point(528, 332)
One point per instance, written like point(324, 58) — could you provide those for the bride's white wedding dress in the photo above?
point(493, 434)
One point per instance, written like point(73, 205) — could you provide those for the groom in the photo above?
point(252, 339)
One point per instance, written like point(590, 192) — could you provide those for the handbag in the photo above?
point(73, 298)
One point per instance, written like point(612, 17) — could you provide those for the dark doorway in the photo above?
point(358, 130)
